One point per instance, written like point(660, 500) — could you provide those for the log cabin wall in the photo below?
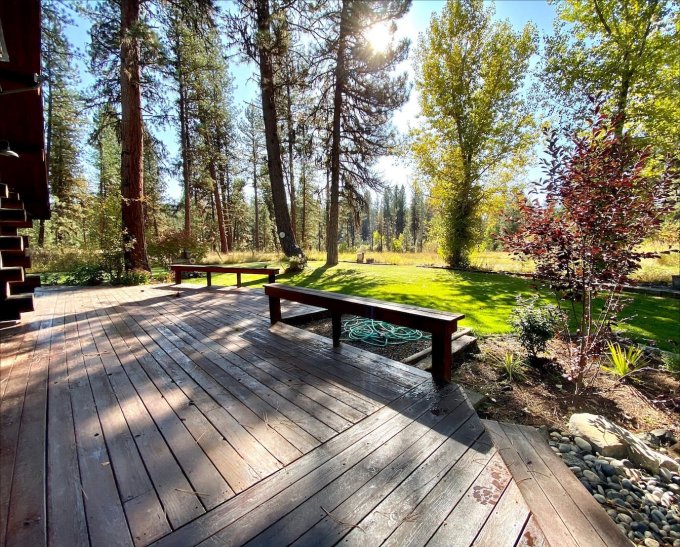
point(24, 196)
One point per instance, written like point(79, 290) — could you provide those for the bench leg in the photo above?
point(337, 328)
point(272, 278)
point(274, 309)
point(238, 280)
point(178, 277)
point(441, 355)
point(209, 279)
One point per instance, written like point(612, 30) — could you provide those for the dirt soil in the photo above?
point(649, 400)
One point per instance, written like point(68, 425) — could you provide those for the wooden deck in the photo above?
point(140, 415)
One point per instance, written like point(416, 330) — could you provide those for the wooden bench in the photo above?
point(209, 269)
point(440, 323)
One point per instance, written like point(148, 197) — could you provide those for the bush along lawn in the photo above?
point(486, 300)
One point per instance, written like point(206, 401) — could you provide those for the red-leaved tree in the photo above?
point(599, 201)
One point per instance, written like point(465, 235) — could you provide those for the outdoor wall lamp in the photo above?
point(6, 151)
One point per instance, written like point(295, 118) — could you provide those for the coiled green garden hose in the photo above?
point(379, 333)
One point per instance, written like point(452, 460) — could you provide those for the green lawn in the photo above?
point(485, 299)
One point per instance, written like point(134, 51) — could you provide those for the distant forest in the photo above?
point(294, 170)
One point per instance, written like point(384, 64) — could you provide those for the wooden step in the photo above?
point(9, 259)
point(11, 243)
point(566, 512)
point(4, 190)
point(12, 215)
point(15, 224)
point(459, 347)
point(411, 359)
point(7, 230)
point(14, 306)
point(13, 195)
point(28, 285)
point(12, 274)
point(9, 203)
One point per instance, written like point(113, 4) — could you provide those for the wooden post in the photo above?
point(272, 278)
point(238, 281)
point(274, 309)
point(209, 279)
point(441, 354)
point(337, 328)
point(178, 277)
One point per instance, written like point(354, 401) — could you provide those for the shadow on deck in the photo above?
point(140, 415)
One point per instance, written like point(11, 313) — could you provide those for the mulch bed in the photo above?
point(324, 327)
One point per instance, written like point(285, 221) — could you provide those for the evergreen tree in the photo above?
point(63, 129)
point(252, 135)
point(364, 95)
point(261, 41)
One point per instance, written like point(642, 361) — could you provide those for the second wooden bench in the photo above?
point(209, 269)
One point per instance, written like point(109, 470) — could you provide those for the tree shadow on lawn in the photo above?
point(485, 300)
point(338, 280)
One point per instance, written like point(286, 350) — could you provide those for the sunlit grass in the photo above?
point(485, 299)
point(653, 270)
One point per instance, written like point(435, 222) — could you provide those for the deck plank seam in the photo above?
point(219, 360)
point(205, 415)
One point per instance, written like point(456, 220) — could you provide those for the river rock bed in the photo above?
point(643, 505)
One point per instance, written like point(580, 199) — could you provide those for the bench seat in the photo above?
point(440, 324)
point(218, 268)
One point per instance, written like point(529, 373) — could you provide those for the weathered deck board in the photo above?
point(68, 527)
point(277, 371)
point(134, 416)
point(552, 492)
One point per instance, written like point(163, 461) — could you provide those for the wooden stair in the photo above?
point(16, 287)
point(462, 342)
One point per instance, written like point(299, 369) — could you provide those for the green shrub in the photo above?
point(86, 275)
point(170, 246)
point(62, 259)
point(534, 324)
point(133, 277)
point(623, 362)
point(295, 264)
point(163, 277)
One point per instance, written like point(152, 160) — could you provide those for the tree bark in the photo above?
point(285, 234)
point(333, 216)
point(224, 248)
point(303, 180)
point(132, 144)
point(257, 207)
point(185, 143)
point(291, 166)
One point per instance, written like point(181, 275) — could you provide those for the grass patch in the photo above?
point(485, 299)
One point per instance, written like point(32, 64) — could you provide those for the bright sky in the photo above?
point(518, 12)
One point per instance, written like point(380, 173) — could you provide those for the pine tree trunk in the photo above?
point(186, 160)
point(224, 248)
point(48, 134)
point(303, 179)
point(226, 199)
point(132, 146)
point(257, 207)
point(333, 216)
point(291, 166)
point(281, 214)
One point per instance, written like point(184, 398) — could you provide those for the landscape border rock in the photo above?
point(614, 441)
point(643, 505)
